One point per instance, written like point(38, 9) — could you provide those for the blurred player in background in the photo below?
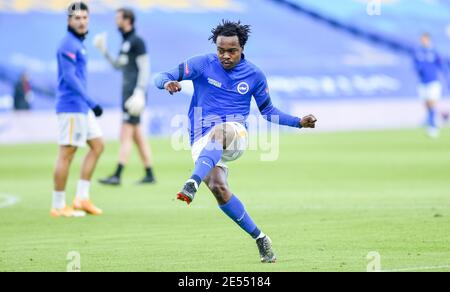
point(22, 93)
point(224, 85)
point(76, 121)
point(428, 65)
point(134, 63)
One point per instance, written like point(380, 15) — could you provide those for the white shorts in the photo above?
point(75, 129)
point(431, 91)
point(235, 150)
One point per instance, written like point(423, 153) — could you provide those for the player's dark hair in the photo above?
point(75, 7)
point(128, 13)
point(229, 28)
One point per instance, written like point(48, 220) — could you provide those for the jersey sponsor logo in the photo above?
point(214, 82)
point(126, 47)
point(243, 88)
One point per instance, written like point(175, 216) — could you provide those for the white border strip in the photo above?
point(419, 269)
point(7, 200)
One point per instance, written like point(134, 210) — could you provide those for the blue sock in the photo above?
point(236, 211)
point(207, 160)
point(431, 121)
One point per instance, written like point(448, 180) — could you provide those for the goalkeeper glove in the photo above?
point(135, 105)
point(100, 42)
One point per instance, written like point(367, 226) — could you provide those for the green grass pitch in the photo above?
point(328, 201)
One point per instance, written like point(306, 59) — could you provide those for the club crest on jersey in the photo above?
point(243, 88)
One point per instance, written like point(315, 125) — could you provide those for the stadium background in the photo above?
point(329, 199)
point(311, 66)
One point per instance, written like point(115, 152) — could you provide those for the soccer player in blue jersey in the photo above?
point(76, 121)
point(224, 84)
point(428, 65)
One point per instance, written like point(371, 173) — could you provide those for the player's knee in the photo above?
point(219, 189)
point(98, 148)
point(67, 156)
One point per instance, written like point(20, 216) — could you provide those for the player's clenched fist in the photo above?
point(173, 87)
point(308, 121)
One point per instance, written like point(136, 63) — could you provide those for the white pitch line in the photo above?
point(418, 269)
point(8, 200)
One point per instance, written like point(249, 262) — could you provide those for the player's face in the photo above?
point(79, 21)
point(120, 21)
point(425, 40)
point(229, 51)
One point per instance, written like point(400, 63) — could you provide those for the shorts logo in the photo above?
point(243, 88)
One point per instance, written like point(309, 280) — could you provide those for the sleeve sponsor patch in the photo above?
point(70, 56)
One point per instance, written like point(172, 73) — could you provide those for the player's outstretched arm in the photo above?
point(308, 121)
point(168, 81)
point(189, 70)
point(173, 87)
point(274, 115)
point(101, 43)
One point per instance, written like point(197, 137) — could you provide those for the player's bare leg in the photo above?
point(61, 173)
point(145, 153)
point(65, 157)
point(90, 162)
point(126, 145)
point(126, 142)
point(433, 129)
point(218, 185)
point(220, 137)
point(215, 177)
point(82, 200)
point(230, 204)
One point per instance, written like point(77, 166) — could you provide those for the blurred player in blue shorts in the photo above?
point(428, 65)
point(76, 121)
point(224, 84)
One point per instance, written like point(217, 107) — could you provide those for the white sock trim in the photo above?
point(195, 183)
point(83, 189)
point(59, 200)
point(261, 235)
